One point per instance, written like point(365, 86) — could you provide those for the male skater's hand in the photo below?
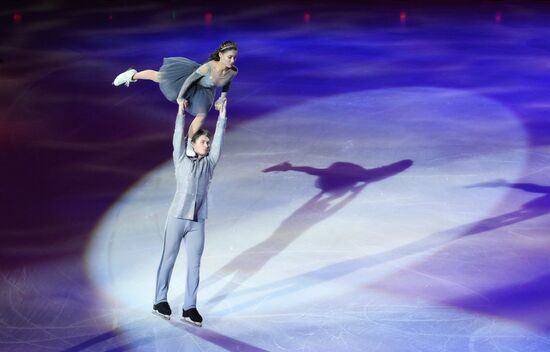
point(219, 103)
point(183, 104)
point(223, 109)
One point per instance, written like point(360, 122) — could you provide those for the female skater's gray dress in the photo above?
point(173, 73)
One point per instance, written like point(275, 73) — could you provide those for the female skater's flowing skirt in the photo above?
point(173, 72)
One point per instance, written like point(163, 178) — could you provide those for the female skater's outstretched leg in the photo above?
point(151, 75)
point(196, 124)
point(131, 76)
point(193, 128)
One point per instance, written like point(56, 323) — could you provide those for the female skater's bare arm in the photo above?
point(225, 89)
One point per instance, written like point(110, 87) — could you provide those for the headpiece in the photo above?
point(228, 46)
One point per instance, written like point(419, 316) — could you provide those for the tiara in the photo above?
point(227, 46)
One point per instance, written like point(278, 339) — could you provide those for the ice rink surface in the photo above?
point(383, 185)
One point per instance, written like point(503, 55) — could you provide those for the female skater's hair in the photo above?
point(200, 132)
point(225, 46)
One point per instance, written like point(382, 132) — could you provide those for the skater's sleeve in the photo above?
point(217, 142)
point(195, 76)
point(178, 141)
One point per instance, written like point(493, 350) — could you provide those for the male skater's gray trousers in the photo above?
point(192, 233)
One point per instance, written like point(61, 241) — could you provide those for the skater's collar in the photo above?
point(196, 156)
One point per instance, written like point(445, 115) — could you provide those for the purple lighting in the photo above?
point(384, 183)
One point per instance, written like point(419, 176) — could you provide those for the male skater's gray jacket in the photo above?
point(193, 175)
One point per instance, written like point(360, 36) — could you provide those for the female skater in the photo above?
point(190, 84)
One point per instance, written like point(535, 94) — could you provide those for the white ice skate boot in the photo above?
point(125, 78)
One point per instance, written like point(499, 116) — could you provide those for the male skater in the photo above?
point(188, 213)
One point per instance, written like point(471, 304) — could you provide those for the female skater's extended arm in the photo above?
point(195, 76)
point(225, 89)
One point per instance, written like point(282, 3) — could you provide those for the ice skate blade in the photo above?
point(189, 321)
point(167, 317)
